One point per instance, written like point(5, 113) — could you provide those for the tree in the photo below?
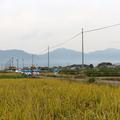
point(91, 66)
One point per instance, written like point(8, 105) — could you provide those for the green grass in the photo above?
point(47, 99)
point(11, 75)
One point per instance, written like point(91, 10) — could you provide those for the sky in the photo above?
point(32, 25)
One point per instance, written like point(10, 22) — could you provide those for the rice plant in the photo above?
point(53, 99)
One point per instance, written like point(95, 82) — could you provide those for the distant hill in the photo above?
point(61, 56)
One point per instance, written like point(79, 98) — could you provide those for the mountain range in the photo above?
point(59, 57)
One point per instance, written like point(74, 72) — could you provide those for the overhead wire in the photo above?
point(78, 34)
point(101, 28)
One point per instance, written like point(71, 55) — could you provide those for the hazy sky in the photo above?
point(32, 25)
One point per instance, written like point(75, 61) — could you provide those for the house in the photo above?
point(76, 67)
point(105, 64)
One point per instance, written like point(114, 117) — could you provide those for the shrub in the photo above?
point(92, 80)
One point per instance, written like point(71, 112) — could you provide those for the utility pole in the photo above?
point(12, 60)
point(23, 62)
point(17, 63)
point(32, 67)
point(48, 58)
point(82, 48)
point(10, 63)
point(32, 59)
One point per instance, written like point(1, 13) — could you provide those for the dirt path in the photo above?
point(108, 82)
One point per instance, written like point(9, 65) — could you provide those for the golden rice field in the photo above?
point(47, 99)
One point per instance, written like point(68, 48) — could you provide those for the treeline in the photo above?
point(93, 72)
point(101, 72)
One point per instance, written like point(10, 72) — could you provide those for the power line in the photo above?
point(44, 50)
point(102, 28)
point(68, 40)
point(62, 43)
point(80, 33)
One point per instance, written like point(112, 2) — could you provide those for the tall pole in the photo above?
point(23, 62)
point(32, 60)
point(82, 48)
point(12, 61)
point(32, 67)
point(17, 63)
point(48, 58)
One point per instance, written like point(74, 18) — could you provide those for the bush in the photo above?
point(91, 80)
